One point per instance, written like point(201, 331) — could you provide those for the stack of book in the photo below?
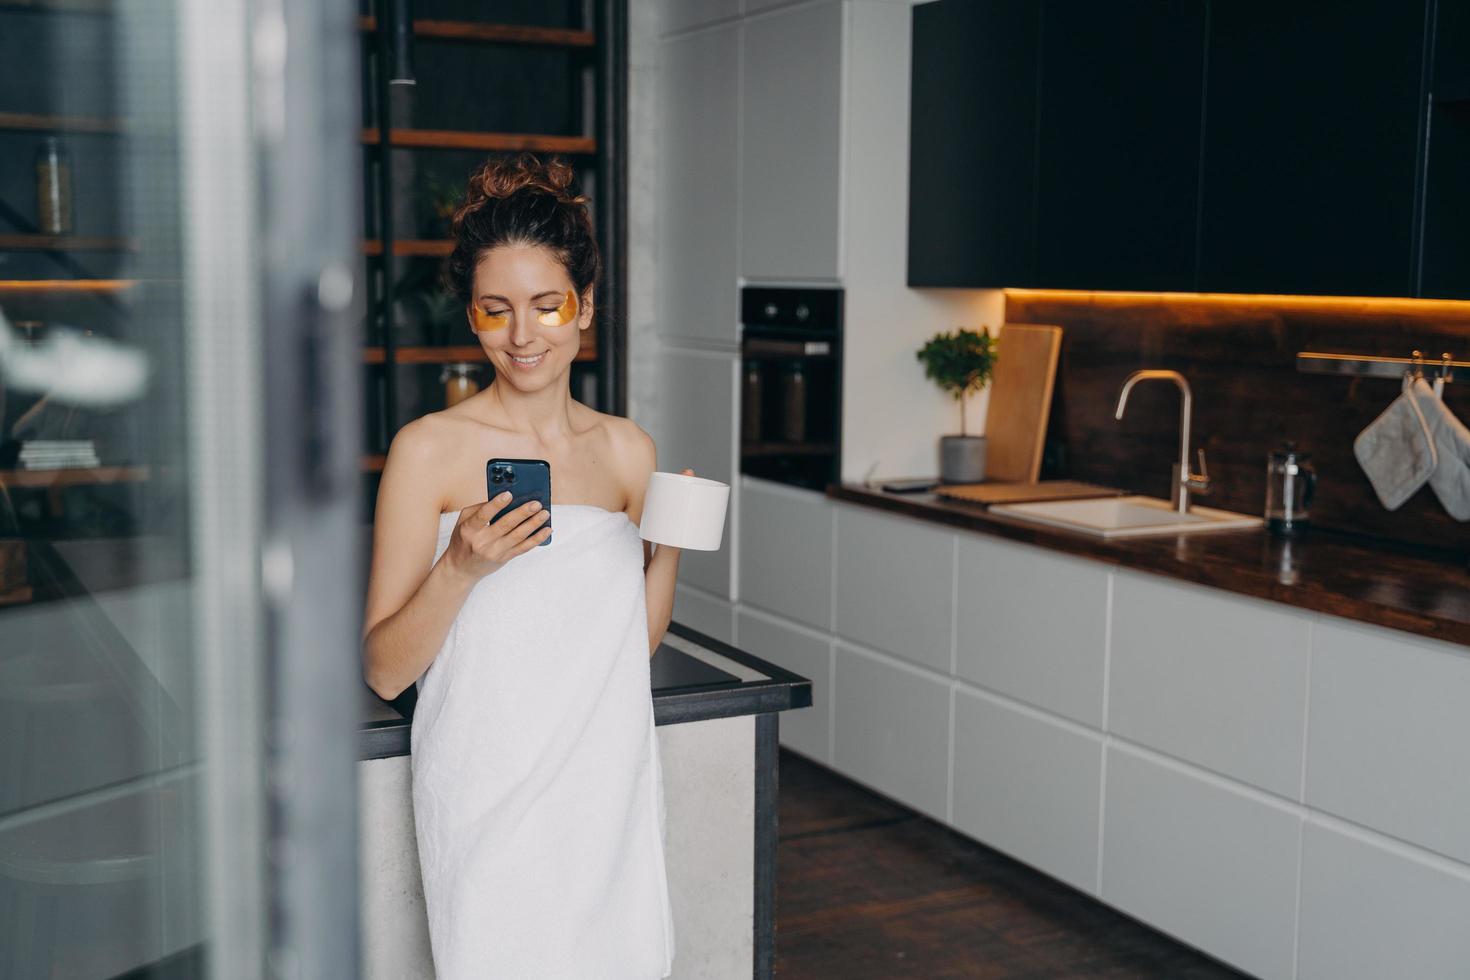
point(56, 454)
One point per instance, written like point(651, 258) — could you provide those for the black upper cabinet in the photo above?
point(1445, 264)
point(972, 146)
point(1312, 132)
point(1118, 144)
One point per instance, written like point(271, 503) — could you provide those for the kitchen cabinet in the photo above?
point(1446, 240)
point(891, 729)
point(790, 144)
point(894, 590)
point(1201, 860)
point(1008, 637)
point(1369, 911)
point(972, 146)
point(698, 181)
point(1396, 764)
point(1118, 144)
point(1311, 143)
point(804, 653)
point(709, 614)
point(703, 439)
point(1178, 799)
point(1028, 786)
point(1216, 680)
point(786, 551)
point(1231, 146)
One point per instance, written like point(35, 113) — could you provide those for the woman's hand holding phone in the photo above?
point(479, 548)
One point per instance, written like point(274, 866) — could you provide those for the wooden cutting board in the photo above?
point(1020, 401)
point(1022, 493)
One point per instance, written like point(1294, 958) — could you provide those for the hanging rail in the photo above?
point(1371, 366)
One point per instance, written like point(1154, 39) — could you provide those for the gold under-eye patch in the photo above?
point(487, 321)
point(563, 314)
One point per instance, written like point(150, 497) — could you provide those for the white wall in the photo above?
point(892, 416)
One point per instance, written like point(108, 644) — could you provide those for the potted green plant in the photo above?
point(960, 363)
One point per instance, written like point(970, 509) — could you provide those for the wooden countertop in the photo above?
point(1415, 590)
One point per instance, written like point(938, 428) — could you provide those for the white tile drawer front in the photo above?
point(894, 581)
point(1369, 913)
point(804, 729)
point(698, 406)
point(706, 613)
point(1217, 680)
point(891, 729)
point(1028, 787)
point(786, 551)
point(1211, 865)
point(1389, 745)
point(1033, 626)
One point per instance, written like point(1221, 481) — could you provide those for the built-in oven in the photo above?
point(791, 384)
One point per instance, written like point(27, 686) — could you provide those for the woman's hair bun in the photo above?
point(522, 199)
point(503, 177)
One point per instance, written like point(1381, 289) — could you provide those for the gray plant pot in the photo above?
point(961, 459)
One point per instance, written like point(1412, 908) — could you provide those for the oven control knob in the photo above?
point(771, 311)
point(802, 311)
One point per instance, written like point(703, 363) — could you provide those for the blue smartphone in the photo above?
point(526, 479)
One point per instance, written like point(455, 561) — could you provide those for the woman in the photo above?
point(537, 787)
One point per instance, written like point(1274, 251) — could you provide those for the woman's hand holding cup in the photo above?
point(479, 548)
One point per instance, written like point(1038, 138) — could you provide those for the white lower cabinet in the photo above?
point(786, 551)
point(1028, 786)
point(701, 611)
point(1211, 678)
point(891, 729)
point(1390, 735)
point(1370, 913)
point(895, 584)
point(1032, 626)
point(1212, 865)
point(806, 730)
point(698, 411)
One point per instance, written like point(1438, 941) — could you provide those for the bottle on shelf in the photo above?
point(793, 397)
point(53, 188)
point(459, 383)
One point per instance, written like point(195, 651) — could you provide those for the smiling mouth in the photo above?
point(528, 361)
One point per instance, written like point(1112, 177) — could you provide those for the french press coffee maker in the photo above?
point(1291, 482)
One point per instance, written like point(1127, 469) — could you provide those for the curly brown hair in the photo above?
point(522, 200)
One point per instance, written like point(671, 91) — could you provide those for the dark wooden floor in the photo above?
point(867, 888)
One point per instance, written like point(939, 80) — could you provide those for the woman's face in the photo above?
point(527, 315)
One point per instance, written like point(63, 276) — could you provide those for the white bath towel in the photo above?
point(537, 786)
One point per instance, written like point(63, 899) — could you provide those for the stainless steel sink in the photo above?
point(1126, 517)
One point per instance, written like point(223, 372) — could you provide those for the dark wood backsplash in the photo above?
point(1239, 354)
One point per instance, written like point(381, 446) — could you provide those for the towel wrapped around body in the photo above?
point(537, 786)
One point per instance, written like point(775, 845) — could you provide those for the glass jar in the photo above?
point(53, 188)
point(459, 383)
point(750, 403)
point(793, 398)
point(1291, 483)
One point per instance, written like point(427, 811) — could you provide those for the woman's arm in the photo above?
point(660, 562)
point(409, 610)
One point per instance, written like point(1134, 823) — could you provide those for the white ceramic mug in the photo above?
point(684, 511)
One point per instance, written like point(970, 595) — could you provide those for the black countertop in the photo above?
point(695, 677)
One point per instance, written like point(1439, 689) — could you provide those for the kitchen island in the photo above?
point(716, 709)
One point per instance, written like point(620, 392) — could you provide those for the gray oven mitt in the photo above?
point(1397, 449)
point(1450, 480)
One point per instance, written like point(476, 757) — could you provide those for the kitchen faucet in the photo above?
point(1185, 481)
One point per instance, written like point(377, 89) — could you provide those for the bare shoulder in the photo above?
point(417, 452)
